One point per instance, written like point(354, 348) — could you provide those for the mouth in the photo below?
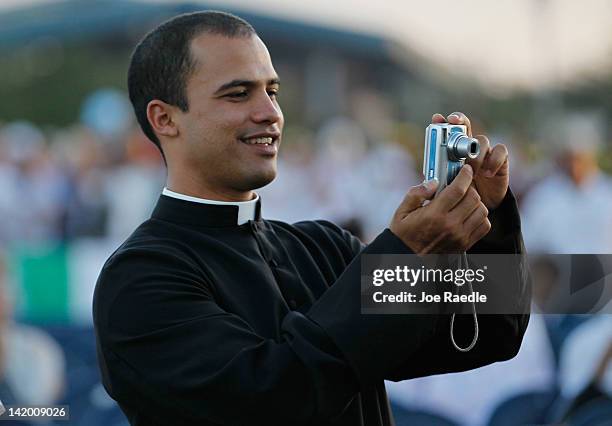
point(261, 140)
point(265, 144)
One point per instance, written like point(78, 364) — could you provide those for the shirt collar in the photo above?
point(246, 210)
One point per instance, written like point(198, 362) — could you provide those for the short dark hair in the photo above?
point(162, 63)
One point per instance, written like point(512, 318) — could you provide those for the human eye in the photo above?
point(237, 95)
point(273, 92)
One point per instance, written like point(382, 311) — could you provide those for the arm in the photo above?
point(500, 336)
point(404, 346)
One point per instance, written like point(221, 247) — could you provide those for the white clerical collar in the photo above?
point(246, 209)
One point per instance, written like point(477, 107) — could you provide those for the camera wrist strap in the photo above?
point(452, 322)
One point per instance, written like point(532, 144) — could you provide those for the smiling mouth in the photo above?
point(267, 140)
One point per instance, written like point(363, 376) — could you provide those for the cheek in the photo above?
point(225, 123)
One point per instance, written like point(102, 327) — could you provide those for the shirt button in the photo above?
point(293, 304)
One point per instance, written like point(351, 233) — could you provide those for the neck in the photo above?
point(199, 190)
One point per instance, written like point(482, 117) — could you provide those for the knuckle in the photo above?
point(471, 202)
point(473, 194)
point(484, 229)
point(484, 210)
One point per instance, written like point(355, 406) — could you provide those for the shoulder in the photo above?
point(146, 249)
point(154, 240)
point(148, 262)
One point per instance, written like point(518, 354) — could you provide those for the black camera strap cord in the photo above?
point(452, 322)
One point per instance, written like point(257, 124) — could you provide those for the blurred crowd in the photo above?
point(99, 178)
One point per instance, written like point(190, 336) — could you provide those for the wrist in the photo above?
point(410, 245)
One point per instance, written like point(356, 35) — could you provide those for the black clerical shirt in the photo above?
point(200, 321)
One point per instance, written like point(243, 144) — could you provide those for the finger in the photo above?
point(485, 148)
point(451, 195)
point(438, 118)
point(479, 233)
point(461, 118)
point(496, 160)
point(466, 207)
point(476, 218)
point(417, 195)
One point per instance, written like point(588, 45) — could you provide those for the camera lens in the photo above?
point(474, 149)
point(461, 146)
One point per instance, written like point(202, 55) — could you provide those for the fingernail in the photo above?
point(468, 169)
point(489, 173)
point(454, 115)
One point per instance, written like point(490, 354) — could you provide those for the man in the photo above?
point(210, 315)
point(570, 210)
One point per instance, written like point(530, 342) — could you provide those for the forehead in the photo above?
point(220, 59)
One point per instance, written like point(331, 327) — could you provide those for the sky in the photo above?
point(503, 44)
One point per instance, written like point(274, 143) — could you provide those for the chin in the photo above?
point(259, 180)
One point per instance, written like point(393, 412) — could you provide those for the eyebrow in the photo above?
point(245, 83)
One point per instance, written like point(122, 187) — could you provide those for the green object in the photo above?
point(43, 275)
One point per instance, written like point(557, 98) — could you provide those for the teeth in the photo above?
point(253, 141)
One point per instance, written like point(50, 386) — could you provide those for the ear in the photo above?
point(160, 116)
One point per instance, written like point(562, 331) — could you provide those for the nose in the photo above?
point(266, 110)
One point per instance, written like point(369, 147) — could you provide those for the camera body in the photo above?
point(447, 146)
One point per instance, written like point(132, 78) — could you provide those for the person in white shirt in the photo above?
point(570, 211)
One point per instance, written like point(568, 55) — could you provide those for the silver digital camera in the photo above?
point(447, 146)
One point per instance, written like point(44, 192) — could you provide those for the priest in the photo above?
point(209, 314)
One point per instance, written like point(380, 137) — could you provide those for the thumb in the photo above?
point(417, 195)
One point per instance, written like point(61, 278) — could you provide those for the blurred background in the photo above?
point(361, 81)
